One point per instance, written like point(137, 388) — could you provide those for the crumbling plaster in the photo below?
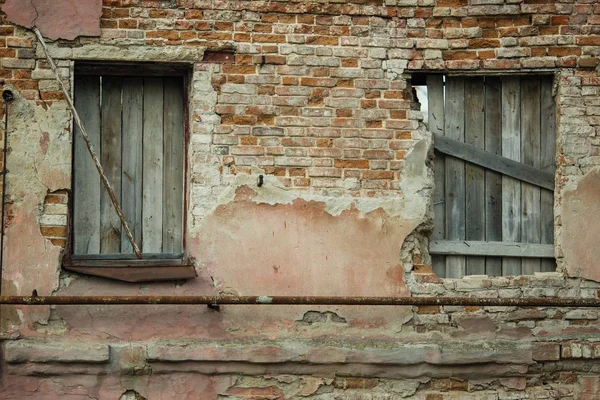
point(212, 188)
point(39, 157)
point(339, 216)
point(57, 19)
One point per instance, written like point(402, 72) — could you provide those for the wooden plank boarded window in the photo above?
point(494, 174)
point(136, 125)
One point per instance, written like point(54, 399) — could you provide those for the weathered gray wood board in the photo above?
point(435, 100)
point(494, 162)
point(454, 128)
point(138, 124)
point(110, 156)
point(547, 164)
point(498, 249)
point(173, 171)
point(86, 213)
point(497, 179)
point(474, 174)
point(530, 155)
point(131, 172)
point(152, 208)
point(493, 180)
point(511, 187)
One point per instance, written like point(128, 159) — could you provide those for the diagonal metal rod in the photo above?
point(301, 300)
point(86, 139)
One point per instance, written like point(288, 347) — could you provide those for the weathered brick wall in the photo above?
point(318, 100)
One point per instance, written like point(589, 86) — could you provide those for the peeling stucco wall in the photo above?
point(318, 101)
point(56, 19)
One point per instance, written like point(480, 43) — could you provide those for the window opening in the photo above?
point(494, 173)
point(137, 126)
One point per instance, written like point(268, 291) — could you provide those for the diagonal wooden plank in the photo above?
point(505, 166)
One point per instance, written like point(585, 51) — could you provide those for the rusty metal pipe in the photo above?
point(300, 300)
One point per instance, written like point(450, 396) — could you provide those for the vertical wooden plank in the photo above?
point(548, 163)
point(131, 178)
point(530, 155)
point(110, 224)
point(454, 128)
point(493, 180)
point(86, 209)
point(435, 100)
point(152, 198)
point(474, 175)
point(511, 188)
point(173, 169)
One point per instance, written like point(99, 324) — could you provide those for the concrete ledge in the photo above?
point(382, 358)
point(361, 352)
point(34, 351)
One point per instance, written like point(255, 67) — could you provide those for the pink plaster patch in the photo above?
point(300, 249)
point(57, 19)
point(581, 227)
point(44, 142)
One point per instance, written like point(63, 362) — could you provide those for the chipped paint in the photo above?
point(57, 19)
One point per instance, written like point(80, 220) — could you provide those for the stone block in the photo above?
point(32, 351)
point(546, 351)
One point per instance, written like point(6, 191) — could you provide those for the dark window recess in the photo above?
point(136, 125)
point(495, 151)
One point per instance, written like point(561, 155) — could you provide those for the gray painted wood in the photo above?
point(511, 187)
point(131, 178)
point(548, 164)
point(152, 192)
point(110, 224)
point(501, 164)
point(86, 209)
point(499, 249)
point(474, 174)
point(435, 100)
point(454, 128)
point(530, 155)
point(493, 180)
point(173, 170)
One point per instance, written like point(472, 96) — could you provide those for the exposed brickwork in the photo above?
point(318, 100)
point(53, 221)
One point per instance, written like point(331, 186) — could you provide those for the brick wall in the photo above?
point(318, 100)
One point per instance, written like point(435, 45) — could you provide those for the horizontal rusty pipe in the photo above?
point(301, 300)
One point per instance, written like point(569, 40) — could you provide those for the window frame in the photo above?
point(419, 78)
point(127, 267)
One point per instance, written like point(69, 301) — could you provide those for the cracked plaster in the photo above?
point(40, 151)
point(57, 19)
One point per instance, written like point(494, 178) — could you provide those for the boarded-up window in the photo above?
point(136, 125)
point(494, 174)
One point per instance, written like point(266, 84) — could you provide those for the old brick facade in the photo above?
point(318, 100)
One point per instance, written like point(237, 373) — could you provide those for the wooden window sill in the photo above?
point(125, 268)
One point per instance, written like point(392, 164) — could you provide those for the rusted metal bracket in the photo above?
point(214, 301)
point(90, 148)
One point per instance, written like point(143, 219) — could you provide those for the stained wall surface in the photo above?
point(316, 97)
